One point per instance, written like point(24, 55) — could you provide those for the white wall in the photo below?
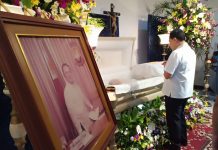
point(133, 23)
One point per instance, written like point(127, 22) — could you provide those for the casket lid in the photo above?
point(115, 51)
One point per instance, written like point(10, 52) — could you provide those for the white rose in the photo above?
point(169, 28)
point(84, 6)
point(199, 6)
point(203, 33)
point(145, 132)
point(54, 11)
point(182, 28)
point(201, 103)
point(62, 11)
point(193, 10)
point(151, 126)
point(198, 40)
point(208, 25)
point(162, 107)
point(200, 15)
point(150, 138)
point(190, 100)
point(140, 106)
point(56, 4)
point(48, 1)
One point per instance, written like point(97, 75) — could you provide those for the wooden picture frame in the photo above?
point(55, 83)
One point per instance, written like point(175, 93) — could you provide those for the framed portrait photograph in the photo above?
point(55, 83)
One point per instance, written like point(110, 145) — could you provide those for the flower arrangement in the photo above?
point(75, 9)
point(195, 110)
point(191, 16)
point(144, 126)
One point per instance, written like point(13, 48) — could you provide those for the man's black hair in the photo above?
point(178, 34)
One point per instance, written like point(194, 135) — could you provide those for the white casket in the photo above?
point(133, 84)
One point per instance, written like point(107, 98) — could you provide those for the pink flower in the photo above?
point(85, 1)
point(63, 3)
point(16, 2)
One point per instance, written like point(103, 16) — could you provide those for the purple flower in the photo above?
point(16, 2)
point(190, 109)
point(137, 137)
point(63, 3)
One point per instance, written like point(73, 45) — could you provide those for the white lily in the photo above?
point(138, 129)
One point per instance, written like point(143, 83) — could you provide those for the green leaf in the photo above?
point(134, 113)
point(27, 3)
point(141, 119)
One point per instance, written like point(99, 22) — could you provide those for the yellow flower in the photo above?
point(144, 145)
point(204, 8)
point(159, 28)
point(35, 2)
point(180, 21)
point(188, 123)
point(174, 13)
point(92, 4)
point(184, 20)
point(206, 104)
point(75, 7)
point(194, 19)
point(77, 14)
point(195, 119)
point(179, 5)
point(189, 4)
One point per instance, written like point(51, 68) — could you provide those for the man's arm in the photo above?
point(167, 75)
point(171, 65)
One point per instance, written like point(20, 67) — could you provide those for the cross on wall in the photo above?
point(113, 18)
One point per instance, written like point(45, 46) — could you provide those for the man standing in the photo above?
point(179, 75)
point(78, 104)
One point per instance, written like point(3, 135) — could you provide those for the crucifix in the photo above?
point(113, 18)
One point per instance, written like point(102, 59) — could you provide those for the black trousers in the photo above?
point(6, 141)
point(176, 121)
